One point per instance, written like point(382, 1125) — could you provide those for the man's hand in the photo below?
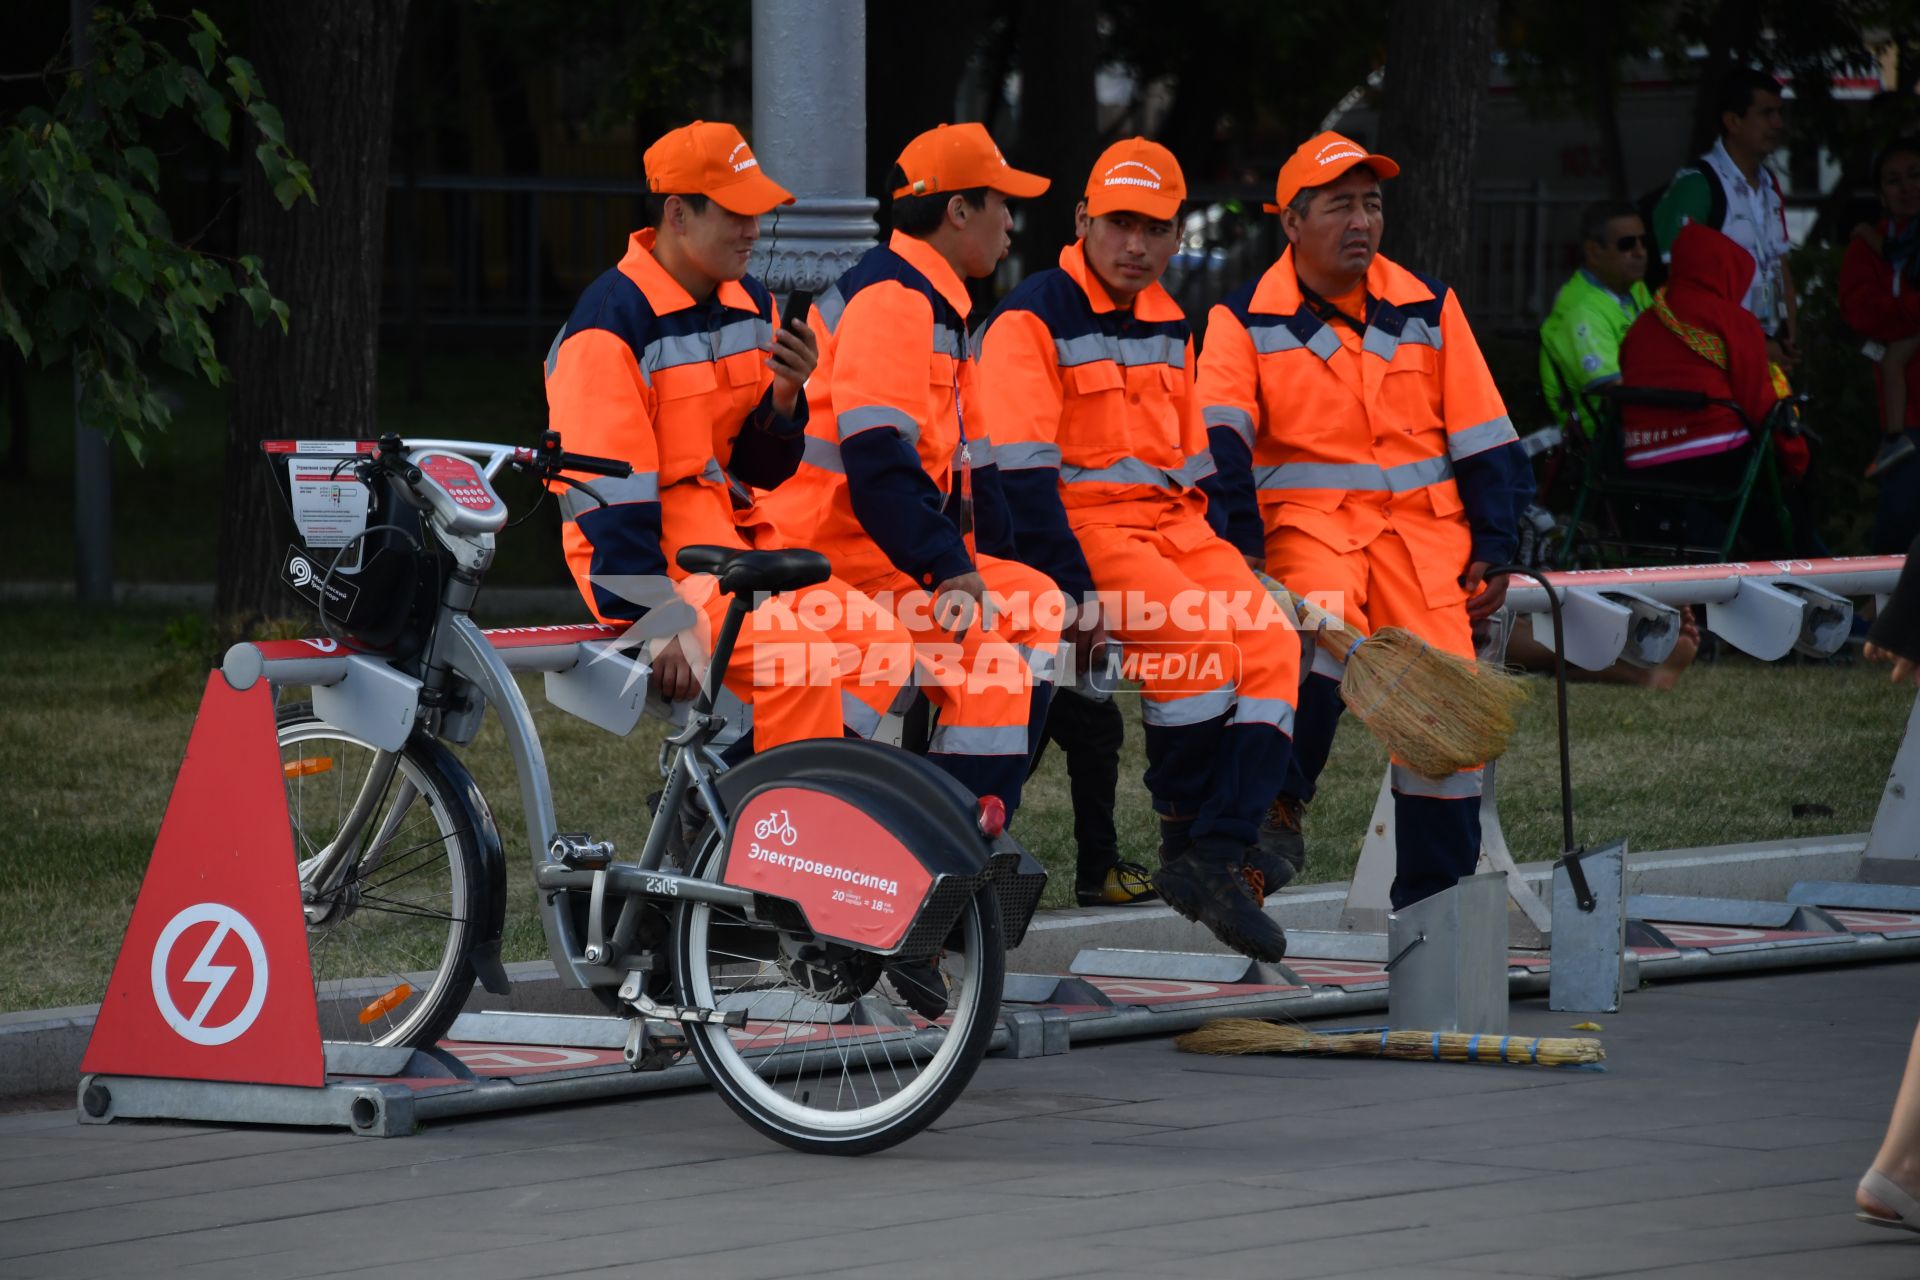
point(1904, 672)
point(673, 676)
point(1783, 350)
point(1483, 598)
point(791, 355)
point(961, 599)
point(1087, 636)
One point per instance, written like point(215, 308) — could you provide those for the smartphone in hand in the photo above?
point(799, 302)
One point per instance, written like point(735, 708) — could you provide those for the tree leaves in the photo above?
point(90, 273)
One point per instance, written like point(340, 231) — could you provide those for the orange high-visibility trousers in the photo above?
point(808, 661)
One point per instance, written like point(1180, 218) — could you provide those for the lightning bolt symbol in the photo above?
point(215, 976)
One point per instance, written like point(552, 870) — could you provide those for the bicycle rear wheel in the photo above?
point(389, 939)
point(844, 1052)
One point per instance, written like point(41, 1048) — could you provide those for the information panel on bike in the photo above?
point(848, 873)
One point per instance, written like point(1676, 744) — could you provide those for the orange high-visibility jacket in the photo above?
point(1403, 428)
point(1092, 410)
point(681, 390)
point(891, 399)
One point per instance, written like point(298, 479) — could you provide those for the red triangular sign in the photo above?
point(213, 980)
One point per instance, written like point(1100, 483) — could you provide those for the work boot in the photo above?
point(1265, 873)
point(1206, 885)
point(921, 986)
point(1175, 835)
point(1125, 883)
point(1279, 851)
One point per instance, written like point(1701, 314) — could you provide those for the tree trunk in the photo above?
point(1059, 45)
point(1438, 55)
point(1732, 33)
point(1600, 29)
point(330, 66)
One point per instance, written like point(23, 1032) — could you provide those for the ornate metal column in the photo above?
point(810, 131)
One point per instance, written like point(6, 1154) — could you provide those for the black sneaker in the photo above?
point(1894, 450)
point(1206, 885)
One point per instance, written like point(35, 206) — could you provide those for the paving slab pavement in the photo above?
point(1723, 1141)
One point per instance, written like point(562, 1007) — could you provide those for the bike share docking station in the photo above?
point(191, 1031)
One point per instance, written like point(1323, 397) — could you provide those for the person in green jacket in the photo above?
point(1580, 340)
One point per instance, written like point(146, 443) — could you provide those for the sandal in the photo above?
point(1906, 1209)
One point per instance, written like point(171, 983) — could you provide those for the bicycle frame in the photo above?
point(458, 657)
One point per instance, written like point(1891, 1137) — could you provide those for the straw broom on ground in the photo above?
point(1246, 1035)
point(1434, 712)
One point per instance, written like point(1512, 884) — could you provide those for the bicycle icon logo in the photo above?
point(767, 828)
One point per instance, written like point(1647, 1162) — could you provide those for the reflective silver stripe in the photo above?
point(968, 740)
point(553, 352)
point(1409, 476)
point(1225, 415)
point(1418, 333)
point(824, 454)
point(1464, 785)
point(1085, 349)
point(980, 453)
point(868, 416)
point(1379, 342)
point(859, 717)
point(1192, 708)
point(1041, 662)
point(713, 472)
point(1022, 454)
point(1273, 338)
point(1159, 348)
point(948, 341)
point(1274, 711)
point(641, 486)
point(831, 304)
point(729, 339)
point(1362, 477)
point(1138, 471)
point(1324, 343)
point(1490, 434)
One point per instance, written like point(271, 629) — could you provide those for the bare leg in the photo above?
point(1529, 654)
point(1899, 1156)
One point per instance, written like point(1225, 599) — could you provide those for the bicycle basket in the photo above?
point(358, 553)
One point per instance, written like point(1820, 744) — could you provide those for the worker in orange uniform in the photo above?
point(1364, 452)
point(897, 485)
point(676, 361)
point(1086, 387)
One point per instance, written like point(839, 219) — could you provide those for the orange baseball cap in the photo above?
point(712, 160)
point(1137, 176)
point(1321, 159)
point(955, 157)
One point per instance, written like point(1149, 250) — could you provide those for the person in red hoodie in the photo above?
point(1880, 301)
point(1698, 337)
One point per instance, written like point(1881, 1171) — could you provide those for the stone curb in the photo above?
point(40, 1049)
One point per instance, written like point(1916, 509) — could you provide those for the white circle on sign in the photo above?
point(214, 977)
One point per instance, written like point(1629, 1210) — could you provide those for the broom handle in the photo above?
point(1329, 632)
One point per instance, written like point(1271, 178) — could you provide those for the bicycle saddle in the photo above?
point(750, 571)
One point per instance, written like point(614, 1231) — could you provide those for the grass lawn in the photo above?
point(97, 709)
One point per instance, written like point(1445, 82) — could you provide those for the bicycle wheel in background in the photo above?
point(389, 938)
point(844, 1053)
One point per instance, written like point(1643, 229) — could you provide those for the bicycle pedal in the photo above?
point(577, 852)
point(649, 1049)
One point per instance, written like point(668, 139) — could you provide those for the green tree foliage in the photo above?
point(91, 272)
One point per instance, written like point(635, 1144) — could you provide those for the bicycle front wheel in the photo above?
point(388, 933)
point(844, 1052)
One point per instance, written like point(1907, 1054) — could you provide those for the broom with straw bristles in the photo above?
point(1246, 1035)
point(1435, 712)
